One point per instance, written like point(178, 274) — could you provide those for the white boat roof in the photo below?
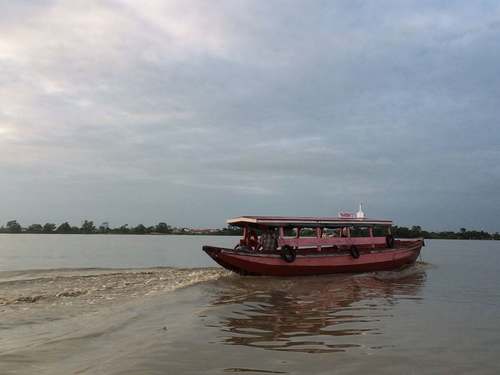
point(304, 221)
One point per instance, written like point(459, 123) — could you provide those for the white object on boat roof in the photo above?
point(360, 214)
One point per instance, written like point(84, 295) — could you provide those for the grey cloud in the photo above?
point(193, 112)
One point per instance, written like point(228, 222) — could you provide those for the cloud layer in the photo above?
point(193, 112)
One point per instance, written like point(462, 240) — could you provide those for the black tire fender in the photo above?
point(389, 241)
point(288, 254)
point(354, 252)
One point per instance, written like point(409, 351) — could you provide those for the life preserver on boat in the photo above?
point(288, 254)
point(354, 252)
point(389, 241)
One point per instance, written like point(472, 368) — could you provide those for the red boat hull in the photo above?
point(404, 254)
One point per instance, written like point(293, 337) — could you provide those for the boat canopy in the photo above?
point(300, 221)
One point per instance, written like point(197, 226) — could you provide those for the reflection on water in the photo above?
point(312, 314)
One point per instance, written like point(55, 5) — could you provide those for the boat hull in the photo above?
point(315, 264)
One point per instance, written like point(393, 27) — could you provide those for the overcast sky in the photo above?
point(192, 112)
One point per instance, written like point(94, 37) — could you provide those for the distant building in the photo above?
point(202, 230)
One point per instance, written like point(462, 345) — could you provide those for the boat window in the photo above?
point(379, 231)
point(307, 232)
point(360, 232)
point(331, 232)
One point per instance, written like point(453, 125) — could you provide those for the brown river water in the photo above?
point(158, 305)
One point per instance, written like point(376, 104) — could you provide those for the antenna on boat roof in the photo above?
point(360, 214)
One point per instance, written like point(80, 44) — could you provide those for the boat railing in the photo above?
point(331, 241)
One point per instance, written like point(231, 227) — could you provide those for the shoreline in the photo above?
point(217, 234)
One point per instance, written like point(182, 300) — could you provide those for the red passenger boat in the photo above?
point(298, 246)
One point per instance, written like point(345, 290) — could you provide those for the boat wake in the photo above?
point(95, 286)
point(416, 269)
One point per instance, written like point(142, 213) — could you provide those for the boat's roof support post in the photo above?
point(370, 231)
point(318, 236)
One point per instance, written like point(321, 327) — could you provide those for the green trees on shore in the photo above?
point(88, 227)
point(463, 234)
point(13, 226)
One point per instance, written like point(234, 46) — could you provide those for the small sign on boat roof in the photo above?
point(304, 221)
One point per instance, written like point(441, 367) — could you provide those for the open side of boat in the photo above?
point(313, 246)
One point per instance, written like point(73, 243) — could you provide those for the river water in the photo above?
point(73, 304)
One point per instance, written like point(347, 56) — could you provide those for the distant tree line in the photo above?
point(462, 234)
point(88, 227)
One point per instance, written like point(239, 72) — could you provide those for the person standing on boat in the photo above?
point(268, 241)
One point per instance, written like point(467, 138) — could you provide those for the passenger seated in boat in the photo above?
point(332, 233)
point(253, 239)
point(268, 241)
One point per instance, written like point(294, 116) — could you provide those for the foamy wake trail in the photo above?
point(98, 286)
point(416, 269)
